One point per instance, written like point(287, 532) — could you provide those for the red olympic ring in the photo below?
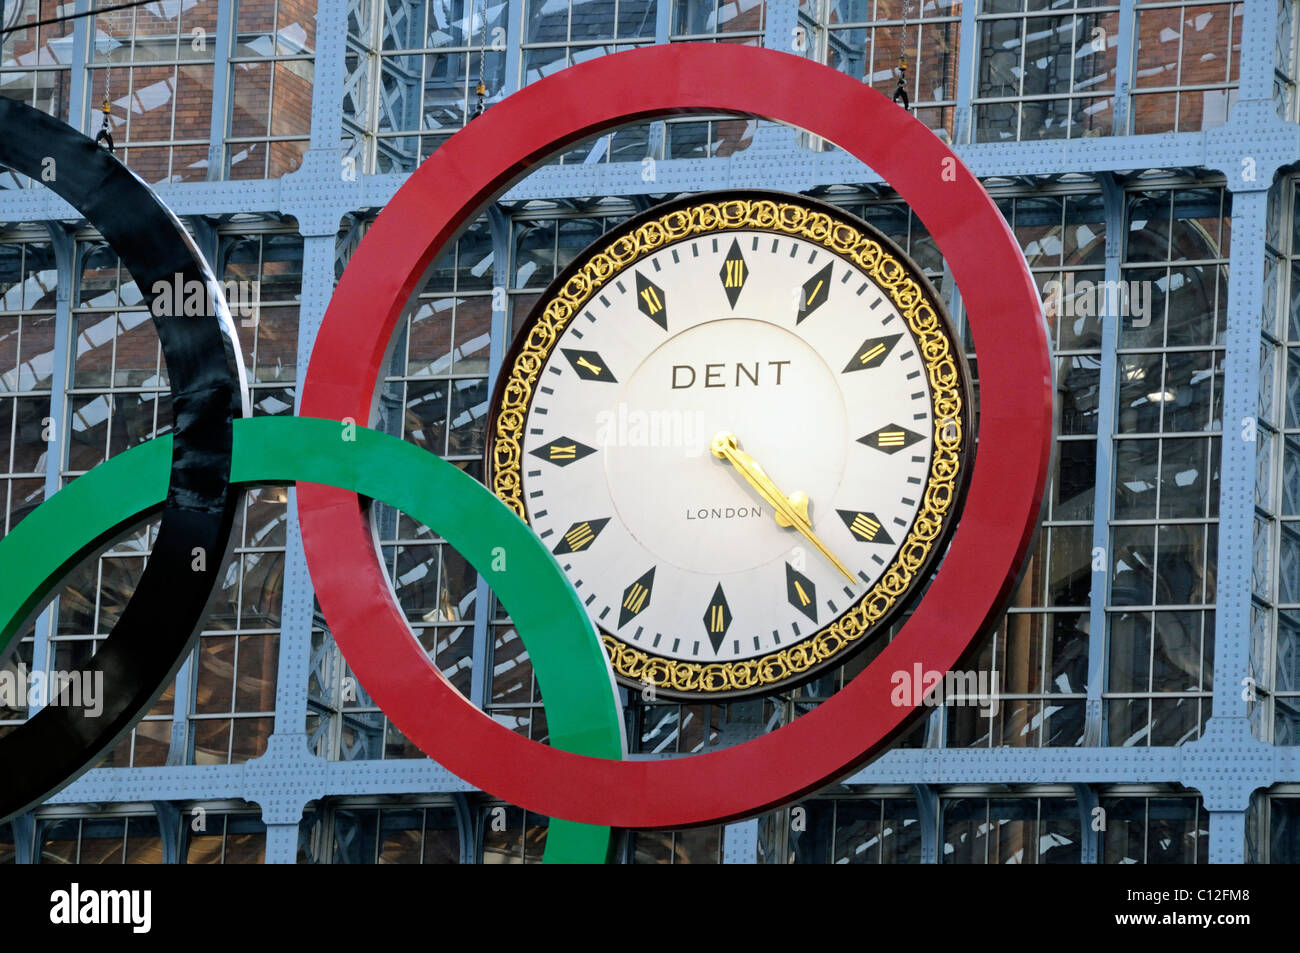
point(987, 550)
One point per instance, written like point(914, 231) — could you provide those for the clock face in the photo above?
point(740, 423)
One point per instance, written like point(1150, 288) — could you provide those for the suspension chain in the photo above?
point(105, 135)
point(481, 89)
point(900, 92)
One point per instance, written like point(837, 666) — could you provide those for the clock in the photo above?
point(741, 422)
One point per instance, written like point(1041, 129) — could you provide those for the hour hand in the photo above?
point(789, 510)
point(725, 446)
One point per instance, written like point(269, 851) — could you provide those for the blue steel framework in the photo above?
point(923, 785)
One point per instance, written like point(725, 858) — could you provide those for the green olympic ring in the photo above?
point(581, 703)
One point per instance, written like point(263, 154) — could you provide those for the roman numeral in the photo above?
point(872, 353)
point(650, 301)
point(589, 365)
point(636, 597)
point(562, 451)
point(865, 526)
point(579, 536)
point(801, 591)
point(717, 618)
point(733, 273)
point(890, 439)
point(816, 291)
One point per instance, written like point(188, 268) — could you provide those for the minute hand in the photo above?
point(789, 511)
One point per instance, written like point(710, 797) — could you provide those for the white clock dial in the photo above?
point(728, 444)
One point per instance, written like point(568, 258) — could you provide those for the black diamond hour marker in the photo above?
point(733, 273)
point(801, 592)
point(865, 526)
point(815, 292)
point(579, 536)
point(636, 597)
point(651, 301)
point(717, 619)
point(562, 451)
point(891, 438)
point(872, 353)
point(589, 365)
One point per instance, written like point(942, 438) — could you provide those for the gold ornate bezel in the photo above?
point(929, 325)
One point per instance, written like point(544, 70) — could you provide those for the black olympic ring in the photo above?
point(160, 622)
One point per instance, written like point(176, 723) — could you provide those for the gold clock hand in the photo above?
point(789, 510)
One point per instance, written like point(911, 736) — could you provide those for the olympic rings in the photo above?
point(986, 551)
point(478, 163)
point(582, 706)
point(160, 622)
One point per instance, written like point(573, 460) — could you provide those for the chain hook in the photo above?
point(105, 135)
point(900, 91)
